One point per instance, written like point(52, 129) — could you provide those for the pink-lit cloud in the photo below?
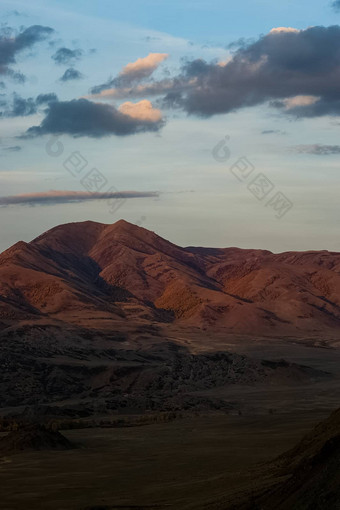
point(63, 197)
point(143, 110)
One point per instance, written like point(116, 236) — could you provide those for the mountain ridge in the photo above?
point(88, 268)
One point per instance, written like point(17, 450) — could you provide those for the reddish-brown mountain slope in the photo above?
point(93, 270)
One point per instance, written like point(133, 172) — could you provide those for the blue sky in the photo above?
point(200, 201)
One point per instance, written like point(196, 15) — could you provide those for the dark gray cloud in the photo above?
point(322, 106)
point(71, 74)
point(283, 65)
point(64, 197)
point(46, 98)
point(317, 149)
point(11, 45)
point(13, 148)
point(23, 107)
point(81, 117)
point(13, 75)
point(65, 56)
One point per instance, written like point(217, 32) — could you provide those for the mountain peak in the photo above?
point(90, 266)
point(125, 226)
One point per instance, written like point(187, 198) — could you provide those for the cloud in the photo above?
point(71, 74)
point(283, 29)
point(280, 65)
point(13, 75)
point(142, 111)
point(46, 98)
point(13, 148)
point(22, 107)
point(336, 5)
point(65, 56)
point(143, 67)
point(273, 132)
point(292, 103)
point(166, 86)
point(223, 63)
point(297, 71)
point(134, 72)
point(14, 13)
point(11, 45)
point(81, 117)
point(316, 108)
point(64, 197)
point(150, 38)
point(241, 42)
point(317, 149)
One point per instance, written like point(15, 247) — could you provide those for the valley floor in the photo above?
point(194, 463)
point(197, 462)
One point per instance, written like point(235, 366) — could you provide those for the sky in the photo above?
point(211, 123)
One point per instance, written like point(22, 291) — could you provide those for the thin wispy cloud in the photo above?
point(71, 74)
point(12, 148)
point(273, 132)
point(65, 197)
point(317, 149)
point(134, 72)
point(167, 87)
point(142, 68)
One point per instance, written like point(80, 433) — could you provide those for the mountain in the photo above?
point(90, 274)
